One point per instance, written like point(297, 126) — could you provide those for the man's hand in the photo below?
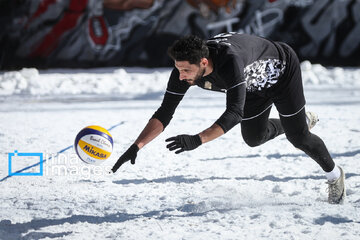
point(183, 143)
point(130, 154)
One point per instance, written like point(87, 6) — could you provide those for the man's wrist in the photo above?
point(138, 144)
point(198, 139)
point(135, 147)
point(211, 133)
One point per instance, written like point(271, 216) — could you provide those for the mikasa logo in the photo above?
point(93, 152)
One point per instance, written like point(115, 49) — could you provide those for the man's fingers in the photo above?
point(115, 168)
point(184, 142)
point(180, 151)
point(170, 145)
point(174, 148)
point(118, 164)
point(171, 139)
point(130, 154)
point(175, 144)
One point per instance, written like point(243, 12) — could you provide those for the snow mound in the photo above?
point(125, 83)
point(132, 83)
point(316, 74)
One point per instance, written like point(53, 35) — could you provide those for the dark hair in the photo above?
point(189, 48)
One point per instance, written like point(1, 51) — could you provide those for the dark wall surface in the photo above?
point(94, 33)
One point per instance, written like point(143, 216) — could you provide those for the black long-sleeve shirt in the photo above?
point(241, 63)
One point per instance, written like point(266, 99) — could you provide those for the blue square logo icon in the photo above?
point(21, 172)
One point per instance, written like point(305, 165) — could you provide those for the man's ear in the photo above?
point(204, 62)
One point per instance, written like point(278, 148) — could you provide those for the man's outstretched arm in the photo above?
point(152, 129)
point(235, 99)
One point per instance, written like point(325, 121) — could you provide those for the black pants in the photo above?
point(260, 129)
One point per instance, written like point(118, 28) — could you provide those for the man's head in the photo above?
point(191, 58)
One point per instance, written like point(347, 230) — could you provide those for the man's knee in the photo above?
point(253, 141)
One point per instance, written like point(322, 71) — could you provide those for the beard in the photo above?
point(196, 79)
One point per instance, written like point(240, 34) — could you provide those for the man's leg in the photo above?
point(260, 129)
point(290, 101)
point(297, 132)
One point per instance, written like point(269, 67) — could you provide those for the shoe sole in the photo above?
point(342, 199)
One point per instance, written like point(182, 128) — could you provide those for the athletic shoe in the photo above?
point(336, 189)
point(311, 119)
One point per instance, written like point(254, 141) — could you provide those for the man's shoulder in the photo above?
point(228, 46)
point(227, 39)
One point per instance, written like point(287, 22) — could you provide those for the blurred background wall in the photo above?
point(98, 33)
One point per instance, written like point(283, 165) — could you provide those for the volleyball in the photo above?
point(93, 144)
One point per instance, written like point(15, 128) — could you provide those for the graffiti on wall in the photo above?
point(93, 33)
point(326, 31)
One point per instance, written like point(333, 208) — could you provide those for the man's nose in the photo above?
point(182, 76)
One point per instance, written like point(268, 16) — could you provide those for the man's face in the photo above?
point(190, 73)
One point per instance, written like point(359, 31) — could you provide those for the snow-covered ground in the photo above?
point(222, 190)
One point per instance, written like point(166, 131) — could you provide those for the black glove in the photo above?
point(183, 143)
point(130, 154)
